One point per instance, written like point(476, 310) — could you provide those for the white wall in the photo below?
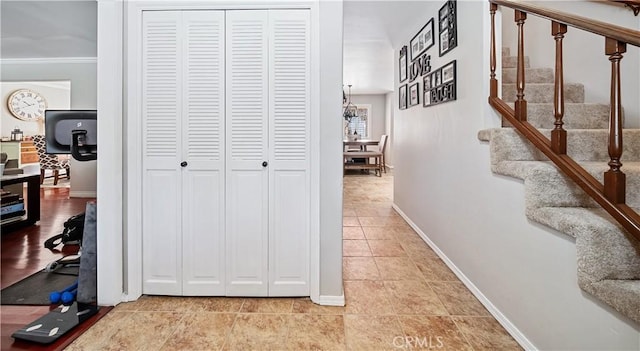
point(585, 64)
point(330, 90)
point(82, 74)
point(524, 272)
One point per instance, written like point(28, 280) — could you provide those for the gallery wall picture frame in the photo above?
point(447, 27)
point(414, 94)
point(402, 62)
point(440, 85)
point(402, 97)
point(422, 41)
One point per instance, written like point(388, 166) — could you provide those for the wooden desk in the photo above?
point(32, 200)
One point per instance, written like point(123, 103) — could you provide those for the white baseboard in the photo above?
point(495, 312)
point(82, 194)
point(331, 300)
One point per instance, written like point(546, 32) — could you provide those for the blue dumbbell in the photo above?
point(69, 296)
point(57, 296)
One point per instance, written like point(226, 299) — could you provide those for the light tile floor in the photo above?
point(399, 295)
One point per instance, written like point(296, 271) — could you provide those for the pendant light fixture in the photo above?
point(350, 110)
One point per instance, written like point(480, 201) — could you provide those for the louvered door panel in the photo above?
point(289, 188)
point(246, 131)
point(203, 186)
point(161, 107)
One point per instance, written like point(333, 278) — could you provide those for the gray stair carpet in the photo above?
point(608, 256)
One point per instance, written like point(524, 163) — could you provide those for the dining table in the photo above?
point(362, 143)
point(351, 153)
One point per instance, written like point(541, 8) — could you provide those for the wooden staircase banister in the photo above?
point(610, 195)
point(634, 5)
point(604, 29)
point(625, 215)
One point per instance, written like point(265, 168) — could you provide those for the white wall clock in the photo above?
point(27, 105)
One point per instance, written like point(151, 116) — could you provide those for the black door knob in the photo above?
point(183, 164)
point(265, 164)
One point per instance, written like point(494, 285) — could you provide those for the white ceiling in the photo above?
point(45, 29)
point(371, 30)
point(54, 29)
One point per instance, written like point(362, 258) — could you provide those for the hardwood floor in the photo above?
point(23, 253)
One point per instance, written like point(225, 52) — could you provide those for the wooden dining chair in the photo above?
point(382, 145)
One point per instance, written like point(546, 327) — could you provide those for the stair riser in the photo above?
point(543, 93)
point(582, 145)
point(506, 52)
point(576, 116)
point(548, 187)
point(531, 75)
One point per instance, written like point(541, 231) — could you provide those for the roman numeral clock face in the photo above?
point(27, 105)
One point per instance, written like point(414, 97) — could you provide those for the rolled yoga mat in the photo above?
point(88, 278)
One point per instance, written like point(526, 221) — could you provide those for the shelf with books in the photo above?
point(15, 212)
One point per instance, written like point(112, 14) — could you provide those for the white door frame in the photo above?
point(119, 164)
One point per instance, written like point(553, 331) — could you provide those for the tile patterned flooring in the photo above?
point(399, 295)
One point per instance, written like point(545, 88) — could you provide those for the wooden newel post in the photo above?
point(558, 134)
point(521, 103)
point(493, 82)
point(614, 179)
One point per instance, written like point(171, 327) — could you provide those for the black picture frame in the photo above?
point(414, 94)
point(402, 97)
point(403, 65)
point(440, 85)
point(447, 27)
point(422, 41)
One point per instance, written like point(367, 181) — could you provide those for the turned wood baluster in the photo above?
point(558, 134)
point(521, 103)
point(493, 82)
point(614, 179)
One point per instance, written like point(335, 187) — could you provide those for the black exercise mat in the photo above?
point(56, 323)
point(35, 289)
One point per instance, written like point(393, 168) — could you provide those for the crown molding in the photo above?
point(47, 60)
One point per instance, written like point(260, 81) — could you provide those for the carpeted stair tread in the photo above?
point(622, 295)
point(512, 62)
point(573, 221)
point(545, 185)
point(519, 169)
point(531, 75)
point(506, 144)
point(576, 115)
point(543, 92)
point(484, 135)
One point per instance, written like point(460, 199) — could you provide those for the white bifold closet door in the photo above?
point(183, 152)
point(226, 143)
point(247, 153)
point(289, 152)
point(268, 156)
